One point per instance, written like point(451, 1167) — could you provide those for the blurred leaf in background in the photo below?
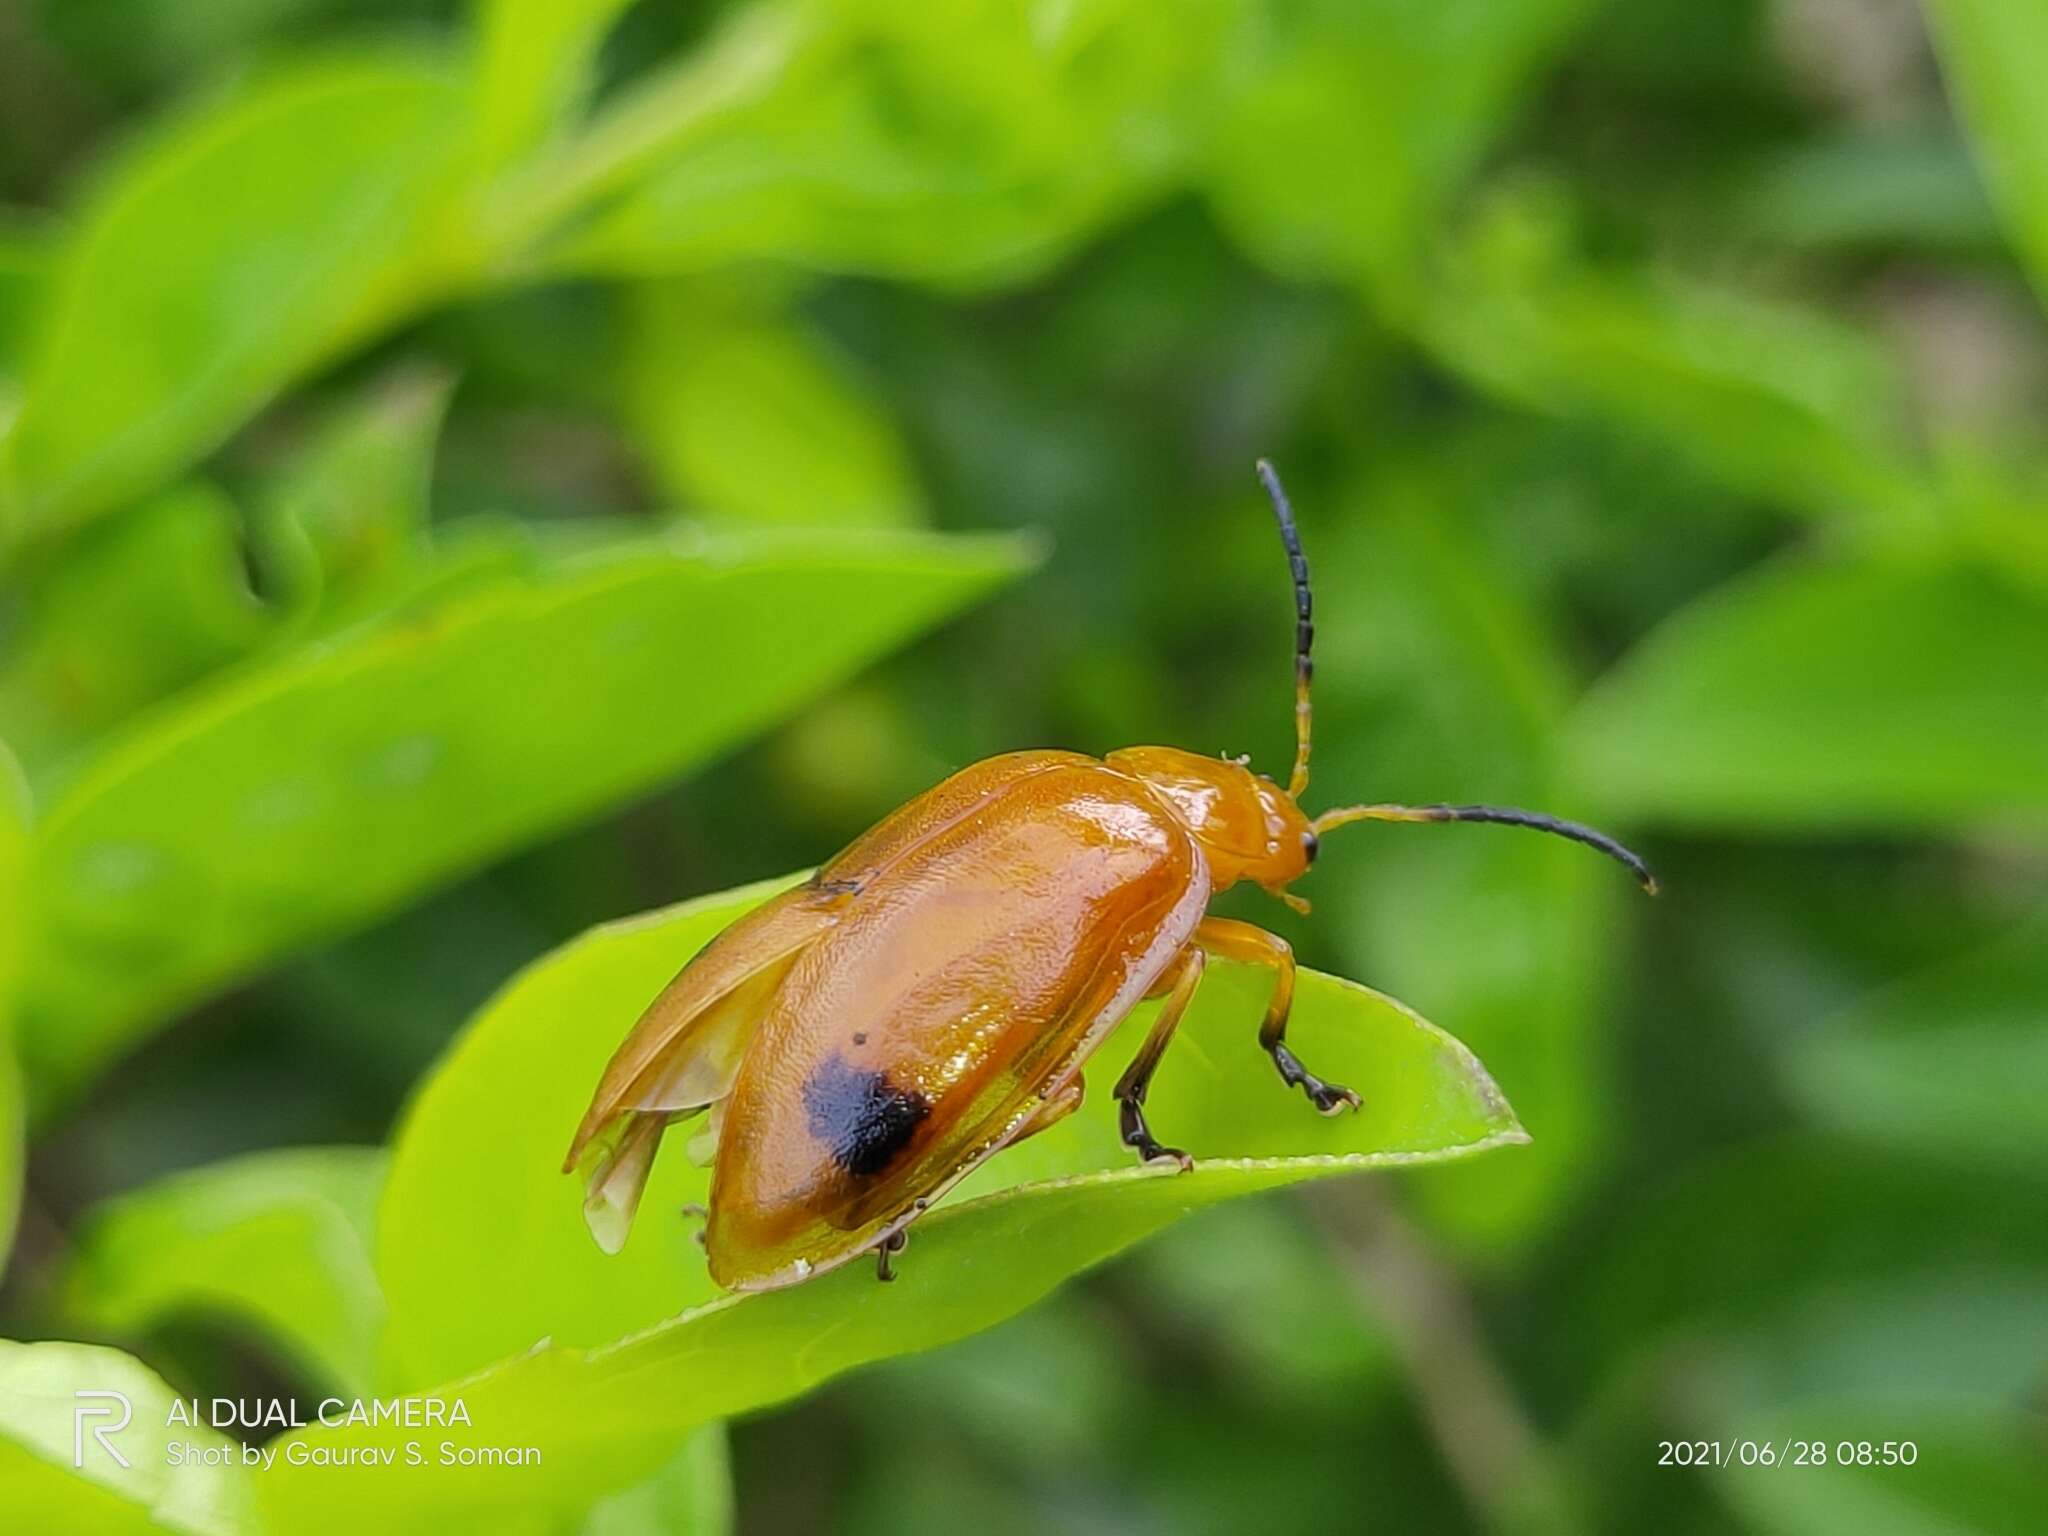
point(318, 791)
point(747, 414)
point(1864, 694)
point(970, 146)
point(13, 887)
point(127, 614)
point(1444, 77)
point(1990, 48)
point(281, 1239)
point(277, 226)
point(1945, 1062)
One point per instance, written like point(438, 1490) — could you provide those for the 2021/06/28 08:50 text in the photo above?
point(1787, 1453)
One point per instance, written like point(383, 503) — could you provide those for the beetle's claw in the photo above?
point(1331, 1098)
point(1139, 1138)
point(889, 1246)
point(1328, 1098)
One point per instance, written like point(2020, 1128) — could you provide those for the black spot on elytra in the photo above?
point(860, 1037)
point(862, 1118)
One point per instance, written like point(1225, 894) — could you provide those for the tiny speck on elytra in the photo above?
point(860, 1037)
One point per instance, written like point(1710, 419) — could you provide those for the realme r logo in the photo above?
point(99, 1405)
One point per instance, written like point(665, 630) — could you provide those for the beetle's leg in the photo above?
point(1052, 1111)
point(1048, 1112)
point(1186, 974)
point(1231, 940)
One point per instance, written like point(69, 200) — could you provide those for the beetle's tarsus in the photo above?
point(701, 1214)
point(1328, 1098)
point(889, 1246)
point(849, 885)
point(1139, 1138)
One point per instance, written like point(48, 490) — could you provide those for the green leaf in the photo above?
point(135, 50)
point(1779, 403)
point(45, 1492)
point(25, 246)
point(609, 1388)
point(539, 1040)
point(1949, 1062)
point(971, 145)
point(691, 1496)
point(1991, 53)
point(1974, 1472)
point(280, 1240)
point(14, 856)
point(345, 518)
point(745, 412)
point(1406, 97)
point(122, 616)
point(243, 242)
point(533, 65)
point(1843, 695)
point(307, 796)
point(1870, 191)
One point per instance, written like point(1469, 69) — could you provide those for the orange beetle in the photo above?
point(865, 1040)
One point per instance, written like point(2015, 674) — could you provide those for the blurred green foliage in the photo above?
point(278, 1240)
point(428, 431)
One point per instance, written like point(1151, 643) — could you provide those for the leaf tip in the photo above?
point(1029, 548)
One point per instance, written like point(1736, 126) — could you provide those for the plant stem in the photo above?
point(653, 121)
point(1489, 1447)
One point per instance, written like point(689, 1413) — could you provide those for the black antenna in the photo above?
point(1304, 624)
point(1503, 815)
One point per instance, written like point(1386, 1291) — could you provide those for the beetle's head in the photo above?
point(1252, 829)
point(1248, 826)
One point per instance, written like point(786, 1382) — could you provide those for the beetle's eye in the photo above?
point(1311, 845)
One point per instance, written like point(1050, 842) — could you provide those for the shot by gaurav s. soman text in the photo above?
point(805, 766)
